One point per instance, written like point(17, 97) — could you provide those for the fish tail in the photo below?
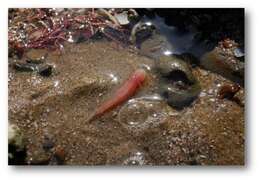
point(91, 117)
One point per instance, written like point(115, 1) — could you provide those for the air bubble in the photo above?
point(135, 159)
point(140, 114)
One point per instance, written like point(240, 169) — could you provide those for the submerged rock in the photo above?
point(24, 67)
point(224, 60)
point(45, 70)
point(16, 146)
point(177, 83)
point(15, 136)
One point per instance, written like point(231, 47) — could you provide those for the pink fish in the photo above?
point(127, 90)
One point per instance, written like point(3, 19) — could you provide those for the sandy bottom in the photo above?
point(143, 131)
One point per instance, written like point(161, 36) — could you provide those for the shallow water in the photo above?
point(51, 109)
point(177, 41)
point(57, 108)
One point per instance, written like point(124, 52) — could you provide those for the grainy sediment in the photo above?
point(208, 132)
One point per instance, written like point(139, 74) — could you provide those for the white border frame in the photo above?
point(247, 172)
